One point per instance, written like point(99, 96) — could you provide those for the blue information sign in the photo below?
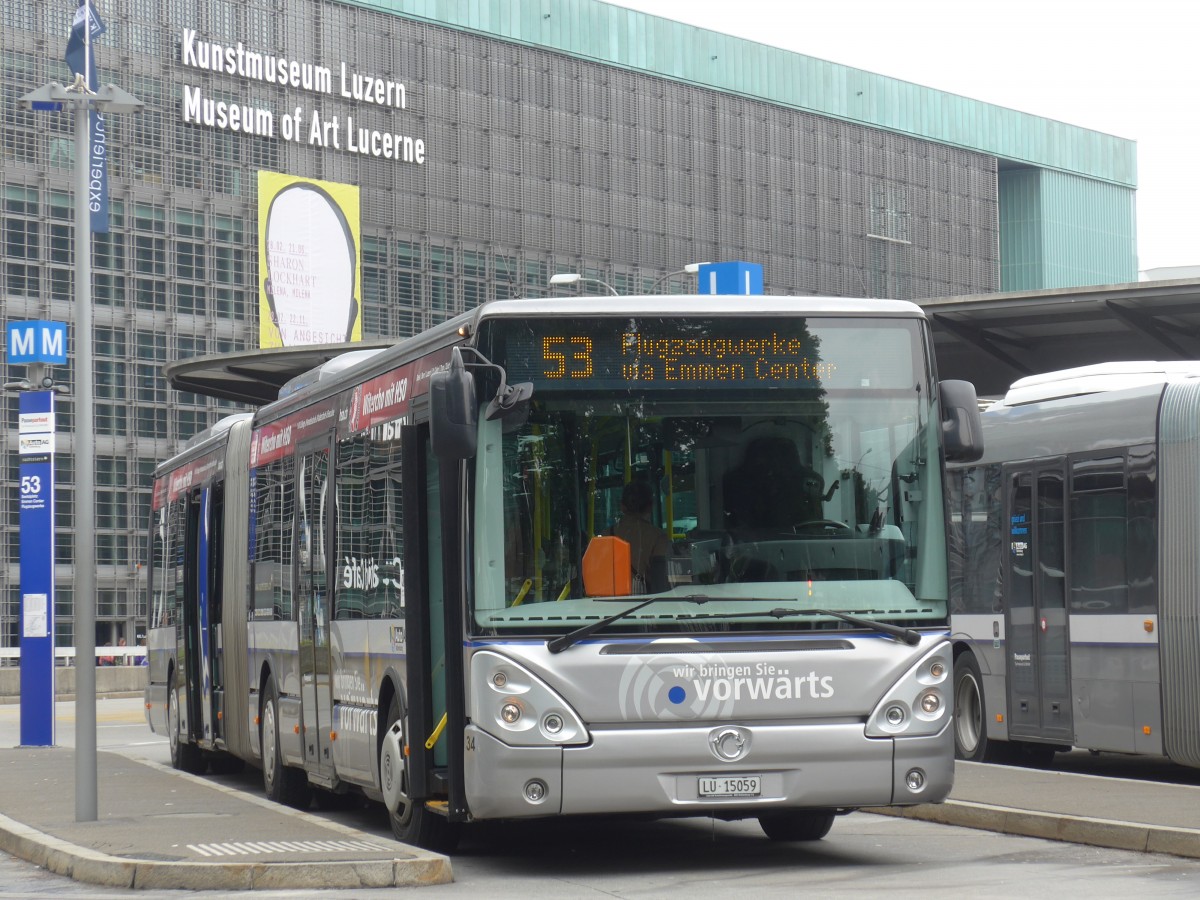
point(730, 278)
point(36, 342)
point(36, 490)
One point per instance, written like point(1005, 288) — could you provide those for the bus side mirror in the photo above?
point(962, 430)
point(454, 414)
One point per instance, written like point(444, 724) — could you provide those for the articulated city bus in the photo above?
point(403, 578)
point(1074, 558)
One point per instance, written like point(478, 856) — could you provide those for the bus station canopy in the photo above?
point(255, 376)
point(990, 340)
point(994, 339)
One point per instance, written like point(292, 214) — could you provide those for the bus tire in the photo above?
point(970, 724)
point(283, 784)
point(412, 823)
point(1033, 756)
point(185, 755)
point(797, 825)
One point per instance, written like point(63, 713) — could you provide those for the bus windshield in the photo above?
point(726, 466)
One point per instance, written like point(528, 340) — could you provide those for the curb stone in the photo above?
point(1055, 826)
point(89, 866)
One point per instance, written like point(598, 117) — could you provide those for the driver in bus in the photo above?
point(648, 544)
point(773, 491)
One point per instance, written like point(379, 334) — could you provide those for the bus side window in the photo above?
point(1099, 529)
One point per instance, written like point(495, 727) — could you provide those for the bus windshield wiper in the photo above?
point(561, 643)
point(908, 635)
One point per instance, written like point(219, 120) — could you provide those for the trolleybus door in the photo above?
point(1039, 683)
point(213, 621)
point(313, 552)
point(193, 653)
point(433, 620)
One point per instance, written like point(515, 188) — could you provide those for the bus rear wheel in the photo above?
point(282, 783)
point(799, 825)
point(412, 822)
point(185, 756)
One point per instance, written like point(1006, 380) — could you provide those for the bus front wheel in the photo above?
point(412, 822)
point(800, 825)
point(283, 784)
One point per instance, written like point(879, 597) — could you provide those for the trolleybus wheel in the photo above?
point(1034, 756)
point(185, 755)
point(283, 784)
point(970, 728)
point(412, 822)
point(799, 825)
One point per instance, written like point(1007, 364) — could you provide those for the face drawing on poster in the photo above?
point(310, 267)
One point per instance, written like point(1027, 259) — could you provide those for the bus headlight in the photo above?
point(515, 706)
point(917, 704)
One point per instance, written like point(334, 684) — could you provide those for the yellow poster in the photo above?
point(308, 261)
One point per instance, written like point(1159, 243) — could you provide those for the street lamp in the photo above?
point(689, 269)
point(573, 277)
point(108, 99)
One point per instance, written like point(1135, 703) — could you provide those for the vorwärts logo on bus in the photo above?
point(679, 687)
point(663, 687)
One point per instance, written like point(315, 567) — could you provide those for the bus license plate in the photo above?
point(730, 786)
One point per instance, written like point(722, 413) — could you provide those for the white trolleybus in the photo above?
point(1074, 557)
point(405, 577)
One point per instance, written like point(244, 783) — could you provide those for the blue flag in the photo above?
point(81, 59)
point(77, 56)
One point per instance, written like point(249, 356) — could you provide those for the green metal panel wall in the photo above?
point(1059, 230)
point(635, 40)
point(1022, 264)
point(1088, 232)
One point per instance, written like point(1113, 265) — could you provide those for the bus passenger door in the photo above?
point(433, 567)
point(193, 652)
point(313, 535)
point(213, 616)
point(1039, 678)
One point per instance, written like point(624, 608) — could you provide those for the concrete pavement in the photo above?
point(159, 828)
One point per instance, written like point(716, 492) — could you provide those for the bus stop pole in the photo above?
point(85, 509)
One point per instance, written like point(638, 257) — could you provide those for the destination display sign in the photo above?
point(654, 354)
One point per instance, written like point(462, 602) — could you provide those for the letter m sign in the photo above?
point(36, 342)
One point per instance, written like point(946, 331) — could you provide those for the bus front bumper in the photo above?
point(667, 771)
